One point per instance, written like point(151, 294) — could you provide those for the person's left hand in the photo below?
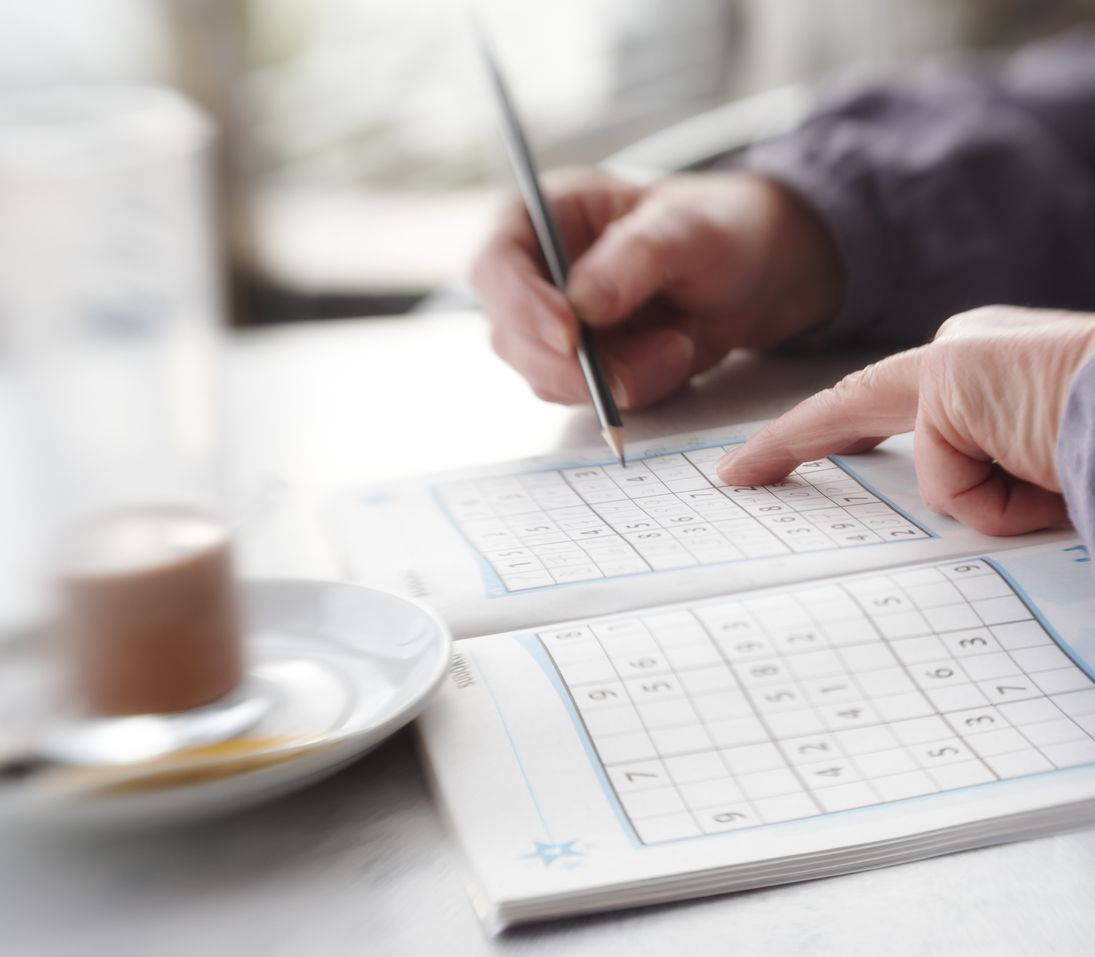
point(984, 400)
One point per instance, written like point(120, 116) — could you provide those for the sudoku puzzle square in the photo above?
point(823, 698)
point(668, 511)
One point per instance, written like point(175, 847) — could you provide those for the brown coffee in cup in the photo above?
point(149, 617)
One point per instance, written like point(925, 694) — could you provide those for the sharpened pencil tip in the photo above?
point(614, 437)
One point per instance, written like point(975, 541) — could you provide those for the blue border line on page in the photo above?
point(494, 587)
point(516, 754)
point(1053, 633)
point(842, 462)
point(531, 643)
point(539, 654)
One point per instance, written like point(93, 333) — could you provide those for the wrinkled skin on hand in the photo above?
point(984, 400)
point(671, 275)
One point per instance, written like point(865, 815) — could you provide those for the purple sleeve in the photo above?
point(1076, 452)
point(967, 187)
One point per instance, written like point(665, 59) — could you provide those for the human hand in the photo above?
point(671, 276)
point(984, 400)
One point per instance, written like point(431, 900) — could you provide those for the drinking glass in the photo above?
point(111, 314)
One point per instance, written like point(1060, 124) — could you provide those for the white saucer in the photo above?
point(338, 667)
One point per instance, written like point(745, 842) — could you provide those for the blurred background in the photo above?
point(359, 157)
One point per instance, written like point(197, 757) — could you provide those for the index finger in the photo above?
point(508, 274)
point(877, 401)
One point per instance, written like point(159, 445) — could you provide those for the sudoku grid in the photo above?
point(823, 698)
point(668, 511)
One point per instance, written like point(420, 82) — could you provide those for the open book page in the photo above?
point(770, 736)
point(575, 534)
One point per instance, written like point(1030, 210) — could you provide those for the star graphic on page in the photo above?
point(549, 853)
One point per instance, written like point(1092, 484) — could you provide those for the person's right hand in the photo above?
point(672, 276)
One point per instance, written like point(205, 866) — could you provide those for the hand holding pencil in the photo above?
point(670, 277)
point(542, 219)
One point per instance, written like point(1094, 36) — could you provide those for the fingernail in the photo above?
point(619, 393)
point(678, 347)
point(726, 461)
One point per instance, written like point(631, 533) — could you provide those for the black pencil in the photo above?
point(551, 245)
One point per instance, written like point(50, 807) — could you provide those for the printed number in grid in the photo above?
point(823, 698)
point(667, 511)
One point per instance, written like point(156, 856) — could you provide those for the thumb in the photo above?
point(631, 261)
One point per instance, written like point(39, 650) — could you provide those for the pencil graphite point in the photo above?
point(614, 437)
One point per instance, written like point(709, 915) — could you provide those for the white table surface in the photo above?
point(361, 863)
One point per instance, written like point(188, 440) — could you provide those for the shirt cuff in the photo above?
point(1076, 452)
point(822, 165)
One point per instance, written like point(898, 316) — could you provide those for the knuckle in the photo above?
point(817, 408)
point(862, 379)
point(705, 233)
point(842, 391)
point(650, 247)
point(604, 285)
point(951, 328)
point(825, 400)
point(975, 320)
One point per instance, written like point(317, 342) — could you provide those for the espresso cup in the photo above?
point(149, 622)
